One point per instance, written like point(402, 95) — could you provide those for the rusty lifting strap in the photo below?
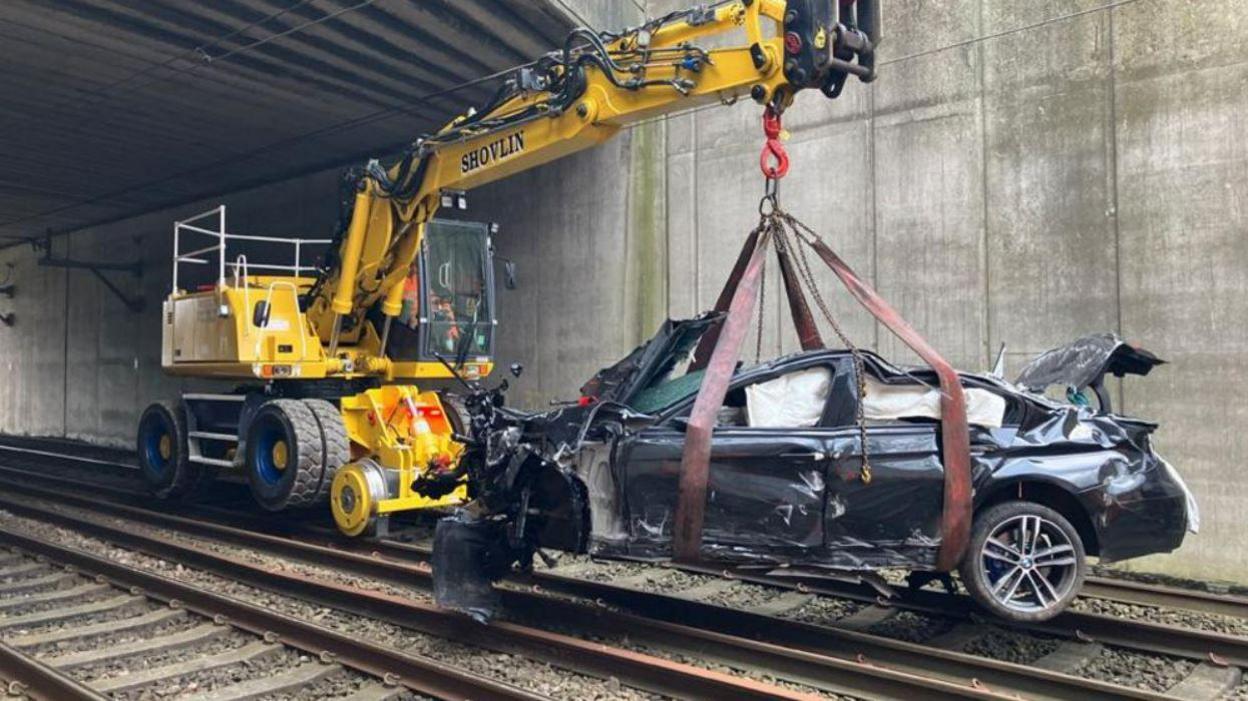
point(720, 348)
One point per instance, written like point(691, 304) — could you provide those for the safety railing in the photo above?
point(198, 228)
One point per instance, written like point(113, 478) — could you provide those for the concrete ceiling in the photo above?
point(111, 108)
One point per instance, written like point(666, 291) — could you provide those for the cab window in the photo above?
point(446, 296)
point(457, 256)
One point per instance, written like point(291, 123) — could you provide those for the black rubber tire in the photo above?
point(975, 577)
point(291, 421)
point(456, 413)
point(176, 476)
point(336, 447)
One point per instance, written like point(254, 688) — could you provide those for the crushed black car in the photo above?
point(1055, 480)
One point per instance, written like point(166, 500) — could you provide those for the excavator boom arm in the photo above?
point(573, 99)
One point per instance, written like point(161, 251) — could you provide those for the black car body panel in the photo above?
point(797, 496)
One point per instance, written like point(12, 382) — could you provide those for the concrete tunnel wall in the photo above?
point(1087, 175)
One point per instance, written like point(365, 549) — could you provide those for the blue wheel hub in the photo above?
point(269, 435)
point(154, 434)
point(996, 569)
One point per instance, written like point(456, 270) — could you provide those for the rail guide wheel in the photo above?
point(357, 490)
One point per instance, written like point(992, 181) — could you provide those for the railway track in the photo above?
point(804, 653)
point(854, 677)
point(1218, 654)
point(1105, 588)
point(76, 626)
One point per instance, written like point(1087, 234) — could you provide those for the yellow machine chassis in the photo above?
point(405, 430)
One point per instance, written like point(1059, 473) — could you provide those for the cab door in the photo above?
point(458, 291)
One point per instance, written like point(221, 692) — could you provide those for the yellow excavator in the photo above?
point(400, 297)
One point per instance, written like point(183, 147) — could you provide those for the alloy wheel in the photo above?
point(1030, 563)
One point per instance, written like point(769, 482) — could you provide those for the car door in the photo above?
point(766, 490)
point(891, 518)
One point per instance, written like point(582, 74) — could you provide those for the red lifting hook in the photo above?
point(774, 149)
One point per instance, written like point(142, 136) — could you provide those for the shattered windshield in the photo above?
point(649, 367)
point(665, 394)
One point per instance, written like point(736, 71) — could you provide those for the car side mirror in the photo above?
point(517, 370)
point(260, 314)
point(509, 274)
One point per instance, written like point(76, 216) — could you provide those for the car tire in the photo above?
point(284, 455)
point(1025, 562)
point(164, 455)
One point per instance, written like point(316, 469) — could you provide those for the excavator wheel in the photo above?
point(163, 451)
point(357, 489)
point(285, 455)
point(336, 447)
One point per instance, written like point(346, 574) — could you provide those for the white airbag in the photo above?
point(892, 402)
point(795, 400)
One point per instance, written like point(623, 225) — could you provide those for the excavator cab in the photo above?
point(448, 300)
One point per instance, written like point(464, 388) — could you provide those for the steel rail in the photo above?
point(803, 651)
point(30, 677)
point(112, 491)
point(1142, 594)
point(77, 458)
point(1121, 591)
point(1129, 634)
point(419, 674)
point(633, 668)
point(1105, 588)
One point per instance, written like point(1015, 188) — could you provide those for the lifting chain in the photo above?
point(803, 268)
point(776, 224)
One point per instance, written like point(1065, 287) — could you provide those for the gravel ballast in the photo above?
point(1113, 665)
point(911, 627)
point(1138, 670)
point(1011, 646)
point(533, 675)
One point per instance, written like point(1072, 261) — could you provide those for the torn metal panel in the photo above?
point(469, 555)
point(1085, 362)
